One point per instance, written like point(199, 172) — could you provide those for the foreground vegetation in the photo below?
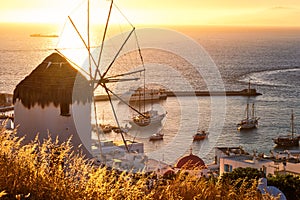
point(287, 183)
point(50, 170)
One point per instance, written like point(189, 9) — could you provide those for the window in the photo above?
point(226, 167)
point(230, 168)
point(65, 109)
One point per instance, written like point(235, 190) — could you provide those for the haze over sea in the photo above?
point(270, 57)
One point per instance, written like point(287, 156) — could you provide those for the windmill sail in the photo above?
point(91, 43)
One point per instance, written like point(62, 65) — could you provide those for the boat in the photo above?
point(117, 129)
point(43, 35)
point(106, 128)
point(200, 135)
point(146, 118)
point(147, 94)
point(250, 121)
point(289, 140)
point(149, 117)
point(156, 136)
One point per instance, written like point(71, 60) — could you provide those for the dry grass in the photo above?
point(50, 170)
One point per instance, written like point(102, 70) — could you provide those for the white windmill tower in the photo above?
point(85, 44)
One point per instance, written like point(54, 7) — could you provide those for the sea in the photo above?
point(190, 58)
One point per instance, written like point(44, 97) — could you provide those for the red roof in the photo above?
point(190, 162)
point(169, 172)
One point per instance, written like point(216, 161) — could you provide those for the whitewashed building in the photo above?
point(229, 163)
point(287, 162)
point(54, 99)
point(230, 158)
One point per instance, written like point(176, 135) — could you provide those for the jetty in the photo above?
point(244, 92)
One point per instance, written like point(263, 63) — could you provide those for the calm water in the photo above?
point(269, 57)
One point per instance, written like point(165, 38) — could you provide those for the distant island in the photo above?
point(43, 35)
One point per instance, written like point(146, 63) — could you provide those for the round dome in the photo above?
point(169, 172)
point(190, 162)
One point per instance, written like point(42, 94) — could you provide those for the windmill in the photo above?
point(78, 46)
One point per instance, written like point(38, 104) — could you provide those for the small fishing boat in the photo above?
point(200, 135)
point(149, 117)
point(156, 136)
point(289, 140)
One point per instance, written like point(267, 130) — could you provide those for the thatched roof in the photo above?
point(53, 81)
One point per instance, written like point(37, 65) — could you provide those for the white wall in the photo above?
point(256, 164)
point(293, 167)
point(48, 119)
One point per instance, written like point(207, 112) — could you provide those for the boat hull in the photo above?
point(197, 138)
point(154, 120)
point(156, 137)
point(286, 142)
point(248, 124)
point(201, 135)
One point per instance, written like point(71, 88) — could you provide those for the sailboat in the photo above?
point(290, 139)
point(145, 118)
point(148, 117)
point(250, 121)
point(106, 128)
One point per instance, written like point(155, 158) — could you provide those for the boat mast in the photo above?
point(249, 87)
point(247, 111)
point(140, 100)
point(144, 91)
point(102, 116)
point(292, 124)
point(152, 99)
point(253, 111)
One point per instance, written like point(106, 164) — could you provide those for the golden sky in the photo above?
point(166, 12)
